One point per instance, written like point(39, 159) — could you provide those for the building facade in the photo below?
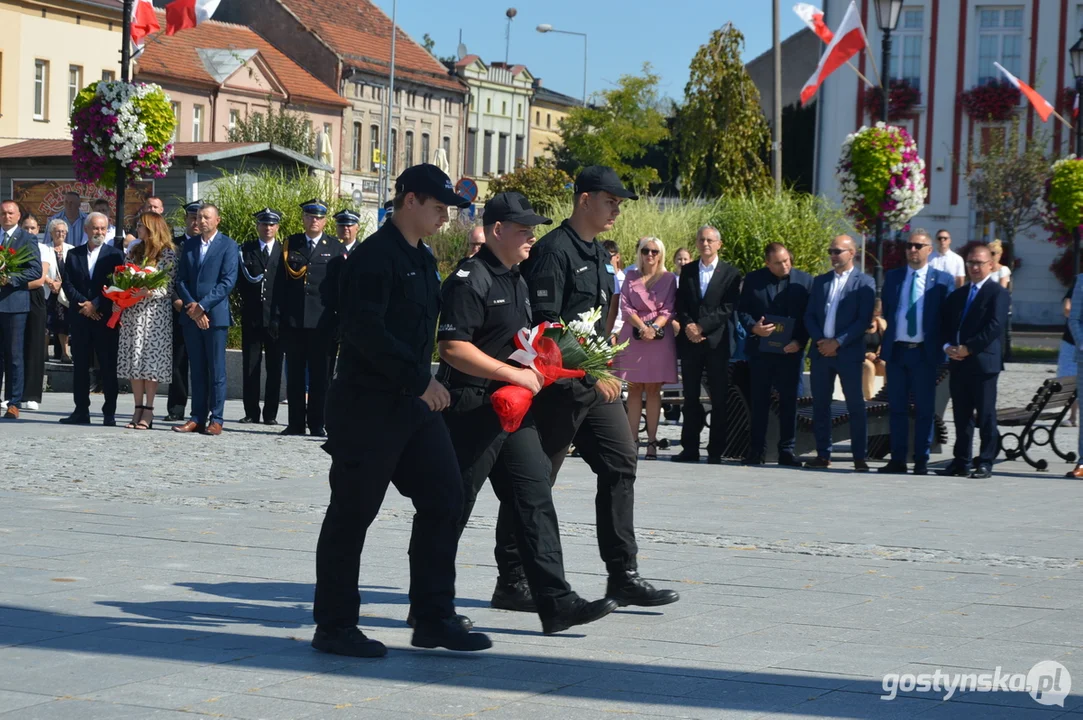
point(347, 46)
point(547, 109)
point(944, 48)
point(52, 50)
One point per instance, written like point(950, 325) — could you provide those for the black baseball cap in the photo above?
point(601, 178)
point(511, 207)
point(430, 180)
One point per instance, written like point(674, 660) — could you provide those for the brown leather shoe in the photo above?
point(818, 463)
point(190, 427)
point(12, 413)
point(1076, 472)
point(213, 429)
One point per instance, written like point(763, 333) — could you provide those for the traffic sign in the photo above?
point(468, 188)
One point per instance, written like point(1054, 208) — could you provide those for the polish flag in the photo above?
point(144, 21)
point(1041, 105)
point(848, 41)
point(185, 14)
point(814, 18)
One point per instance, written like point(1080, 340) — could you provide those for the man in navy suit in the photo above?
point(913, 297)
point(779, 290)
point(973, 322)
point(15, 305)
point(839, 311)
point(86, 272)
point(205, 277)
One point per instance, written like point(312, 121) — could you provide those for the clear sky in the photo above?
point(621, 36)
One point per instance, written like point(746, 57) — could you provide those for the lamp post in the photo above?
point(887, 18)
point(1076, 55)
point(546, 28)
point(125, 76)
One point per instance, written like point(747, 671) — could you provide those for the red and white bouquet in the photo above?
point(129, 284)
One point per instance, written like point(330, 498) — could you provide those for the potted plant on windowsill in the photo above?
point(902, 98)
point(993, 101)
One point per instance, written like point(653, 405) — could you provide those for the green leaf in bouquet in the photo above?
point(570, 350)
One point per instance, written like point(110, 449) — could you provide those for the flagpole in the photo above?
point(125, 76)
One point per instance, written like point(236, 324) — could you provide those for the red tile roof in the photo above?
point(361, 34)
point(175, 57)
point(62, 148)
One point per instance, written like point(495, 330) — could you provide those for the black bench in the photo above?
point(1038, 423)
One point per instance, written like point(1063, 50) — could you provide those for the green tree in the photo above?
point(544, 185)
point(287, 128)
point(722, 136)
point(427, 42)
point(617, 132)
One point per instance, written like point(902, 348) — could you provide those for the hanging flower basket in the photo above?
point(1061, 205)
point(992, 102)
point(1063, 267)
point(881, 177)
point(130, 122)
point(902, 98)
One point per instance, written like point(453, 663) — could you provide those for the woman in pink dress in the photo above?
point(647, 302)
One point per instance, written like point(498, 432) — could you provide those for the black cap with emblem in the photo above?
point(427, 179)
point(511, 207)
point(193, 207)
point(347, 217)
point(268, 216)
point(599, 178)
point(314, 207)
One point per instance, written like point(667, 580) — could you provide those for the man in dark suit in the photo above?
point(305, 295)
point(839, 311)
point(973, 324)
point(781, 291)
point(913, 297)
point(86, 272)
point(347, 226)
point(258, 265)
point(15, 305)
point(178, 386)
point(206, 274)
point(706, 298)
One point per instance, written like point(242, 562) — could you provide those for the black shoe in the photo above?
point(466, 622)
point(110, 421)
point(292, 431)
point(580, 612)
point(714, 459)
point(787, 460)
point(893, 468)
point(754, 460)
point(921, 468)
point(860, 466)
point(270, 421)
point(175, 415)
point(317, 432)
point(981, 472)
point(513, 594)
point(818, 463)
point(629, 588)
point(448, 633)
point(347, 641)
point(247, 420)
point(954, 469)
point(686, 456)
point(75, 419)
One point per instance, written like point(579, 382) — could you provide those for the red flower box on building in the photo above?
point(994, 101)
point(902, 98)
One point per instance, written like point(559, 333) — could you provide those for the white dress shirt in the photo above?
point(706, 272)
point(92, 257)
point(950, 262)
point(204, 245)
point(6, 233)
point(838, 282)
point(912, 276)
point(265, 247)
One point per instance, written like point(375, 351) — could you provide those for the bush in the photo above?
point(545, 186)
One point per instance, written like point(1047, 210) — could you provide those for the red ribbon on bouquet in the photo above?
point(124, 299)
point(536, 351)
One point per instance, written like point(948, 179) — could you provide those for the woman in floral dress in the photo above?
point(146, 329)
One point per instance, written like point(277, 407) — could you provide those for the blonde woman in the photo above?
point(146, 329)
point(648, 301)
point(1001, 273)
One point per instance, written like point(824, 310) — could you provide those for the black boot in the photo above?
point(513, 593)
point(347, 641)
point(580, 612)
point(463, 620)
point(448, 633)
point(628, 588)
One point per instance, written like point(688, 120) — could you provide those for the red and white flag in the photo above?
point(848, 41)
point(1041, 105)
point(144, 22)
point(185, 14)
point(814, 18)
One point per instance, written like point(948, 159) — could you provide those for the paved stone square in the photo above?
point(150, 575)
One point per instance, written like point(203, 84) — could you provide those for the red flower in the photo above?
point(582, 341)
point(11, 251)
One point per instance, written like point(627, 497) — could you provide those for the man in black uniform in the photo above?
point(305, 297)
point(259, 335)
point(484, 305)
point(347, 224)
point(178, 386)
point(385, 426)
point(569, 272)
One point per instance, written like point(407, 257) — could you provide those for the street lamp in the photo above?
point(887, 18)
point(1076, 55)
point(547, 28)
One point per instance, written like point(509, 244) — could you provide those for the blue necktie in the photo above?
point(912, 311)
point(966, 308)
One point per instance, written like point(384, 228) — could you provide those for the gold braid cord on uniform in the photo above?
point(295, 274)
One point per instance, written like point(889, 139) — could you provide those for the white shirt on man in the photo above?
point(950, 262)
point(920, 277)
point(838, 282)
point(6, 233)
point(92, 256)
point(204, 246)
point(265, 247)
point(706, 272)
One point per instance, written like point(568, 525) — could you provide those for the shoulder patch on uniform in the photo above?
point(462, 273)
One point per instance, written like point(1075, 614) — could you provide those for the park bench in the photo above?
point(1036, 424)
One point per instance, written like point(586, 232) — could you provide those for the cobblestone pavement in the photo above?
point(150, 575)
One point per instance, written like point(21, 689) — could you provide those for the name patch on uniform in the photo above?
point(411, 273)
point(500, 301)
point(462, 273)
point(582, 269)
point(446, 327)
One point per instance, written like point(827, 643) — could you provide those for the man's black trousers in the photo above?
point(783, 371)
point(698, 359)
point(306, 348)
point(257, 345)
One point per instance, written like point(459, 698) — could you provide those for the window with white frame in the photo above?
point(1000, 39)
point(41, 88)
point(197, 123)
point(75, 84)
point(234, 118)
point(108, 76)
point(906, 51)
point(176, 120)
